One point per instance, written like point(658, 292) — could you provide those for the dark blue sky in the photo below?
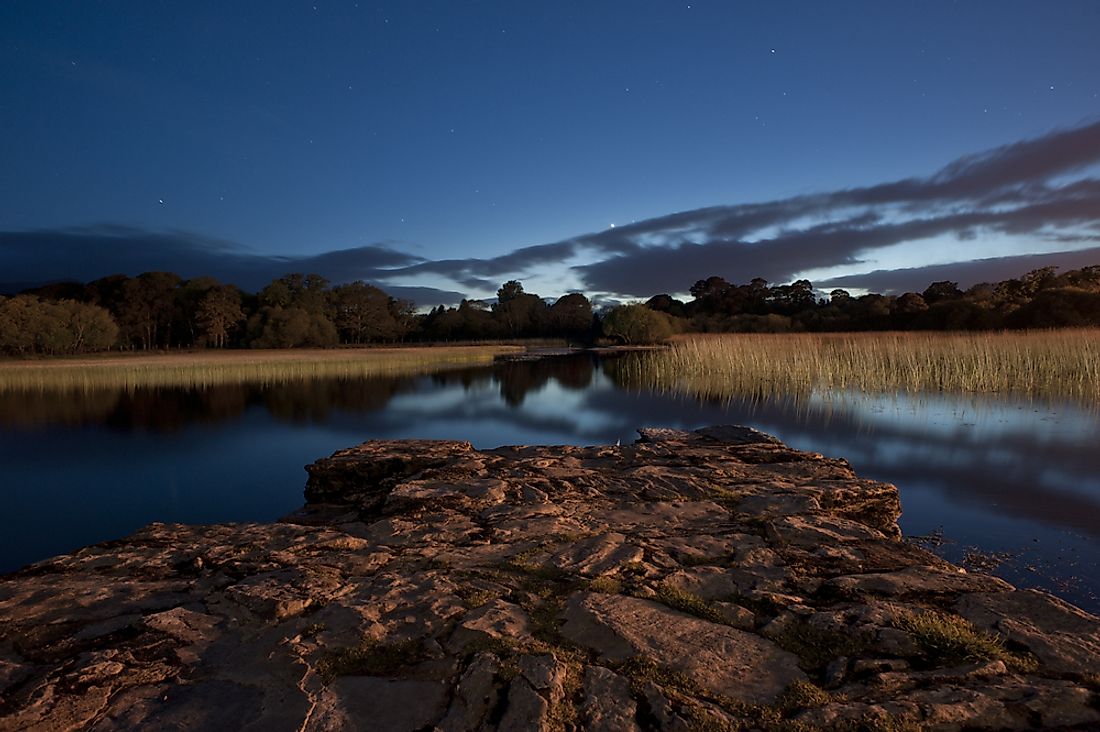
point(454, 145)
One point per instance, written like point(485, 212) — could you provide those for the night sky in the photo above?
point(622, 149)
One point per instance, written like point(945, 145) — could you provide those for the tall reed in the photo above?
point(1062, 364)
point(202, 369)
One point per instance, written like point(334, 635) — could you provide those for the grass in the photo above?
point(815, 646)
point(689, 602)
point(802, 695)
point(1052, 364)
point(949, 640)
point(212, 368)
point(606, 585)
point(371, 659)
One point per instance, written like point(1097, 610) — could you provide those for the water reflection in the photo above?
point(1003, 476)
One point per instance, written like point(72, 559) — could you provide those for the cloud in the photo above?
point(1044, 188)
point(424, 297)
point(88, 253)
point(1008, 190)
point(916, 279)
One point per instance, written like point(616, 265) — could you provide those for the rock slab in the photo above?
point(707, 580)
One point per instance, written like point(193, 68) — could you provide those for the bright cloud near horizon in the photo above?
point(621, 149)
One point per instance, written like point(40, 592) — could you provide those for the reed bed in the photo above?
point(211, 368)
point(1061, 364)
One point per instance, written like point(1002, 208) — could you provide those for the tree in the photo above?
point(363, 313)
point(17, 324)
point(665, 303)
point(509, 291)
point(792, 298)
point(188, 296)
point(91, 327)
point(29, 325)
point(305, 291)
point(147, 308)
point(636, 325)
point(571, 316)
point(940, 291)
point(910, 304)
point(279, 327)
point(840, 298)
point(218, 313)
point(404, 316)
point(518, 312)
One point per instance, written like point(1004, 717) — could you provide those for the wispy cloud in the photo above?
point(1017, 189)
point(88, 253)
point(994, 269)
point(1043, 188)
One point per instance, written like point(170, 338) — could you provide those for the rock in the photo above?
point(921, 581)
point(496, 620)
point(735, 615)
point(724, 660)
point(710, 583)
point(526, 710)
point(816, 530)
point(598, 555)
point(663, 710)
point(387, 705)
point(475, 695)
point(875, 666)
point(836, 672)
point(778, 504)
point(607, 704)
point(1064, 638)
point(546, 675)
point(272, 595)
point(429, 585)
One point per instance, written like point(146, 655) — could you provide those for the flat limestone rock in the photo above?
point(608, 706)
point(918, 581)
point(692, 580)
point(1063, 637)
point(598, 555)
point(722, 659)
point(383, 705)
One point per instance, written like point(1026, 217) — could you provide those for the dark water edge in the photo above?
point(1003, 484)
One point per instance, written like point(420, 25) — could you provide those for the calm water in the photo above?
point(1012, 479)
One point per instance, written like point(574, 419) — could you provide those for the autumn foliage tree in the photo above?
point(218, 314)
point(29, 325)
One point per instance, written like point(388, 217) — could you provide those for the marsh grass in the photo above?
point(211, 368)
point(1060, 364)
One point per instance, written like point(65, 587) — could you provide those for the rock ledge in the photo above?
point(708, 580)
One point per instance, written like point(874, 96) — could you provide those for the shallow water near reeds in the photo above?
point(1007, 483)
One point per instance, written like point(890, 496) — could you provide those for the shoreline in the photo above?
point(714, 578)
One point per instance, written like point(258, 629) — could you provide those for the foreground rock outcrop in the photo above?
point(691, 581)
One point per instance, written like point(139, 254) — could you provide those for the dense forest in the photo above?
point(160, 310)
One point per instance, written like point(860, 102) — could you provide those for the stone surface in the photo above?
point(720, 659)
point(608, 706)
point(692, 580)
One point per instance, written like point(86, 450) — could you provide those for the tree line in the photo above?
point(1041, 298)
point(161, 310)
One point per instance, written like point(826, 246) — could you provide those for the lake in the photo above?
point(1006, 484)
